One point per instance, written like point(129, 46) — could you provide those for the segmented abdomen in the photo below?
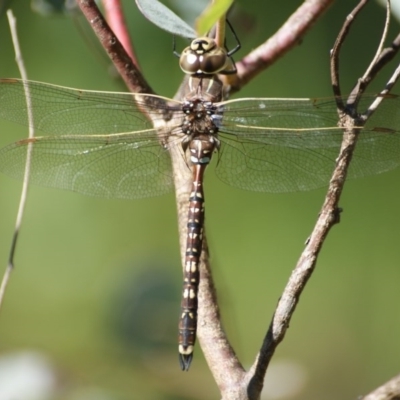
point(188, 320)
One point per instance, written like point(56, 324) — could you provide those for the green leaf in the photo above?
point(165, 19)
point(211, 15)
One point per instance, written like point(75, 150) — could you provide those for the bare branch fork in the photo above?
point(351, 123)
point(233, 381)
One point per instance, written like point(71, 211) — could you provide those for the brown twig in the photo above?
point(329, 216)
point(383, 56)
point(287, 303)
point(336, 52)
point(382, 41)
point(123, 63)
point(386, 56)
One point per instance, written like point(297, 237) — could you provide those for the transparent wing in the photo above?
point(105, 166)
point(87, 152)
point(275, 145)
point(59, 110)
point(283, 145)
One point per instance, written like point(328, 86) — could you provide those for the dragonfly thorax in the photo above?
point(199, 118)
point(204, 57)
point(201, 130)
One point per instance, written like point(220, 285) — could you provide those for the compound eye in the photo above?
point(213, 63)
point(203, 56)
point(189, 61)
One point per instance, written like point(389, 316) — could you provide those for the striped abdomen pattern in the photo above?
point(200, 143)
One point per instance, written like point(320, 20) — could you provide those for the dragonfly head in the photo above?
point(204, 57)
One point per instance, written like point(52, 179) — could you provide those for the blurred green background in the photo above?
point(93, 301)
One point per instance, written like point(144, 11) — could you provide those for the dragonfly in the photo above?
point(119, 145)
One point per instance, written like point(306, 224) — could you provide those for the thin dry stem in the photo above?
point(20, 62)
point(329, 216)
point(287, 303)
point(382, 57)
point(373, 107)
point(336, 52)
point(386, 55)
point(382, 41)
